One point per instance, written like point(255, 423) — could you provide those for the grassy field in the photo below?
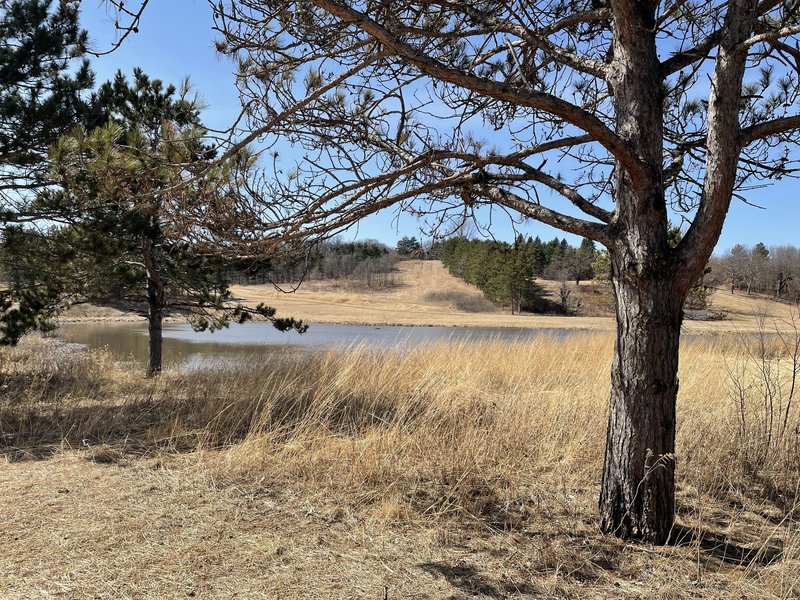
point(451, 471)
point(426, 294)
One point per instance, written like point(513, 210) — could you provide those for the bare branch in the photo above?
point(594, 231)
point(128, 28)
point(771, 36)
point(683, 59)
point(722, 144)
point(493, 89)
point(768, 128)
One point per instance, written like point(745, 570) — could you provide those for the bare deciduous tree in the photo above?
point(784, 268)
point(443, 107)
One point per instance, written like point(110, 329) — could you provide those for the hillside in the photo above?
point(426, 294)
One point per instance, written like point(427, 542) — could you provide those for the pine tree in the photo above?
point(42, 96)
point(407, 246)
point(676, 107)
point(40, 90)
point(128, 185)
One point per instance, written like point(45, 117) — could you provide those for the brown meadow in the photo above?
point(451, 471)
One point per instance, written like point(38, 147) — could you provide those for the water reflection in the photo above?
point(184, 347)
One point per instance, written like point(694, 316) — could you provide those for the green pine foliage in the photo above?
point(31, 295)
point(507, 273)
point(43, 94)
point(41, 89)
point(128, 185)
point(408, 245)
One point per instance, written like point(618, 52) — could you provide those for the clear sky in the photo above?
point(176, 41)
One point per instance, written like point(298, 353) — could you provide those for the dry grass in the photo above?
point(420, 287)
point(468, 303)
point(452, 471)
point(424, 293)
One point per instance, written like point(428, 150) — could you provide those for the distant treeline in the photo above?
point(506, 273)
point(774, 271)
point(370, 263)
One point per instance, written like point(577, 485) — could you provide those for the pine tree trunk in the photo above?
point(637, 500)
point(155, 317)
point(155, 308)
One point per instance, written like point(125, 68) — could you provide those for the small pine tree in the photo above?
point(408, 246)
point(127, 184)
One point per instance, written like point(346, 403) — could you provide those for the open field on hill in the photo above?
point(453, 471)
point(426, 294)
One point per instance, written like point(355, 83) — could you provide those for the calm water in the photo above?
point(186, 348)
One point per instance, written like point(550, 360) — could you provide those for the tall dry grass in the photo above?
point(502, 436)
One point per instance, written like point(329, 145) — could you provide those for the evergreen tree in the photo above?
point(128, 185)
point(578, 262)
point(538, 256)
point(503, 272)
point(522, 289)
point(41, 97)
point(40, 90)
point(601, 266)
point(616, 86)
point(407, 246)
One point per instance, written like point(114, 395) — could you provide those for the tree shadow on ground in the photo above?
point(41, 415)
point(724, 549)
point(464, 301)
point(468, 579)
point(543, 302)
point(126, 428)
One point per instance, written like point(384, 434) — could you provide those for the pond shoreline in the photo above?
point(576, 322)
point(184, 346)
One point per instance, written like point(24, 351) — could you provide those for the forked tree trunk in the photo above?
point(637, 500)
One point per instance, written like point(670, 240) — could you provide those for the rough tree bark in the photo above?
point(638, 488)
point(638, 491)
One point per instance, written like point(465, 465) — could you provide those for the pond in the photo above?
point(186, 348)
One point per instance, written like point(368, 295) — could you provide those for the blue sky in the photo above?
point(176, 41)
